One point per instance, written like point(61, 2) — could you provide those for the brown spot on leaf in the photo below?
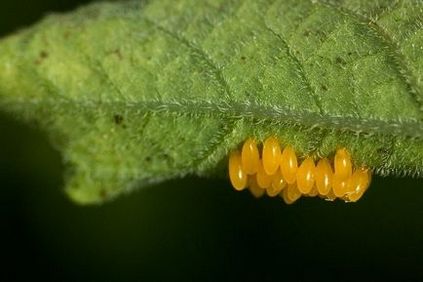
point(66, 34)
point(118, 119)
point(43, 54)
point(41, 57)
point(340, 61)
point(117, 53)
point(103, 194)
point(383, 151)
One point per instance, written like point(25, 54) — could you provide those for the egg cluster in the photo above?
point(276, 172)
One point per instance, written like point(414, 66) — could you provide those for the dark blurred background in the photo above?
point(191, 229)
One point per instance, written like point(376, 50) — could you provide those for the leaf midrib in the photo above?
point(277, 115)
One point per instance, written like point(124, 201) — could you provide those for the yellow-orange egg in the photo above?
point(330, 196)
point(289, 165)
point(342, 164)
point(250, 156)
point(278, 183)
point(263, 179)
point(323, 176)
point(254, 188)
point(305, 176)
point(271, 155)
point(284, 195)
point(314, 192)
point(339, 186)
point(292, 192)
point(236, 174)
point(358, 184)
point(277, 180)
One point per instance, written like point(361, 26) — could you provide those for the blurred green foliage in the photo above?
point(191, 229)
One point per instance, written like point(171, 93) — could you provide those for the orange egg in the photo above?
point(358, 184)
point(254, 188)
point(289, 165)
point(339, 186)
point(342, 164)
point(236, 174)
point(305, 176)
point(250, 156)
point(271, 155)
point(323, 176)
point(330, 196)
point(278, 183)
point(263, 179)
point(314, 192)
point(292, 192)
point(284, 196)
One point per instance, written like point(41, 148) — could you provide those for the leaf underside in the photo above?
point(134, 93)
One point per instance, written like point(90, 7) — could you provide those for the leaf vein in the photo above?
point(398, 58)
point(204, 56)
point(302, 73)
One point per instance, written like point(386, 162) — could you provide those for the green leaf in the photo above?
point(135, 93)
